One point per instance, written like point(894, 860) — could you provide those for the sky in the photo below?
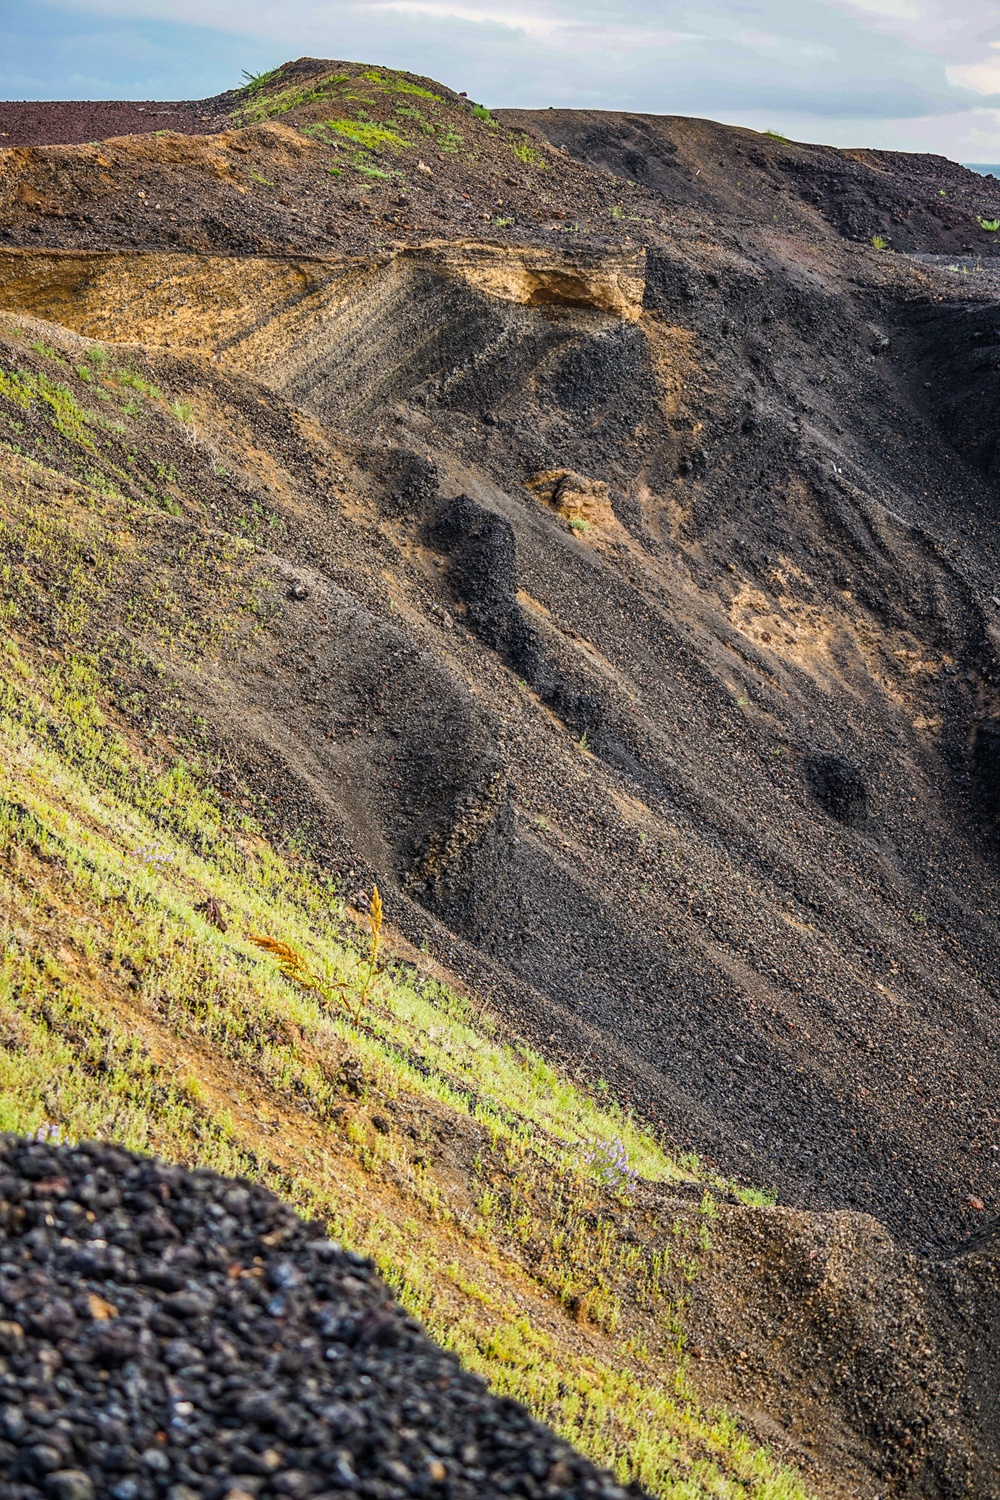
point(912, 75)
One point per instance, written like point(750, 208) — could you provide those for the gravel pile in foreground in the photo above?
point(174, 1333)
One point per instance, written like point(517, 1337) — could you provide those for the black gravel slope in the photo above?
point(173, 1333)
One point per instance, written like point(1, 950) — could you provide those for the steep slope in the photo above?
point(612, 578)
point(835, 653)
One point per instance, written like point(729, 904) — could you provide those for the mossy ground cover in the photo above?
point(135, 1006)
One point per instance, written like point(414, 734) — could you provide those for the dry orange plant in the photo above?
point(296, 967)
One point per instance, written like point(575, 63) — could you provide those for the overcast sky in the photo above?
point(917, 75)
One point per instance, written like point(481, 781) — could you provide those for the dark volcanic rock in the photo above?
point(838, 785)
point(230, 1349)
point(986, 765)
point(484, 576)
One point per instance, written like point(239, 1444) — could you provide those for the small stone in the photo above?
point(976, 1203)
point(45, 1458)
point(436, 1471)
point(12, 1423)
point(342, 1472)
point(99, 1309)
point(211, 910)
point(292, 1482)
point(11, 1337)
point(70, 1484)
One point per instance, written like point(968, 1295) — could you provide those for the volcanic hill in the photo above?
point(581, 526)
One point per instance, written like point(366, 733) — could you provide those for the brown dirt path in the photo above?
point(75, 122)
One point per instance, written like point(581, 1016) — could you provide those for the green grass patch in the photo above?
point(396, 83)
point(47, 352)
point(528, 156)
point(367, 134)
point(25, 388)
point(264, 104)
point(136, 382)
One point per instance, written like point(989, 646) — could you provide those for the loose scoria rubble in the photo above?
point(177, 1334)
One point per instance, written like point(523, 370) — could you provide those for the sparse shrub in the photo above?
point(483, 114)
point(296, 967)
point(152, 858)
point(991, 224)
point(487, 1203)
point(880, 242)
point(526, 153)
point(193, 1088)
point(184, 412)
point(257, 82)
point(608, 1162)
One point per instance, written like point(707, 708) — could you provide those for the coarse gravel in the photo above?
point(175, 1333)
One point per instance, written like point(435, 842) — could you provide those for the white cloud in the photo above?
point(956, 30)
point(551, 30)
point(983, 76)
point(894, 10)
